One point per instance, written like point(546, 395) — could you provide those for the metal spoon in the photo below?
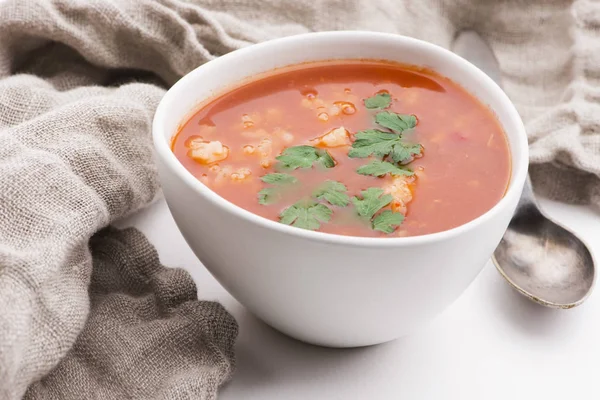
point(538, 257)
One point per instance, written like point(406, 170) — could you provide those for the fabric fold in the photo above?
point(147, 335)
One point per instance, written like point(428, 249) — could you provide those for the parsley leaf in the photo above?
point(305, 215)
point(404, 153)
point(387, 221)
point(396, 122)
point(272, 195)
point(380, 100)
point(373, 142)
point(380, 168)
point(298, 157)
point(372, 201)
point(325, 159)
point(333, 192)
point(380, 144)
point(269, 196)
point(304, 157)
point(279, 179)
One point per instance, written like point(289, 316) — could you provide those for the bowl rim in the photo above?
point(164, 152)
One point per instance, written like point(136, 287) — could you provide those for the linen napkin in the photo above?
point(87, 311)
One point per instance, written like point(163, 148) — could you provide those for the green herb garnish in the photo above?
point(272, 195)
point(325, 158)
point(333, 192)
point(373, 142)
point(279, 179)
point(305, 215)
point(304, 157)
point(387, 221)
point(372, 201)
point(380, 168)
point(380, 144)
point(406, 152)
point(396, 122)
point(380, 101)
point(269, 196)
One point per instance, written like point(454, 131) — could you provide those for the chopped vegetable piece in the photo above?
point(305, 215)
point(278, 178)
point(249, 149)
point(373, 200)
point(265, 148)
point(401, 192)
point(208, 152)
point(304, 157)
point(387, 221)
point(334, 138)
point(396, 122)
point(380, 168)
point(334, 193)
point(380, 101)
point(241, 174)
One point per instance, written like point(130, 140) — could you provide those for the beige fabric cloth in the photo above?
point(79, 82)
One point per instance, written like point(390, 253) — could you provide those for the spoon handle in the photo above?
point(527, 197)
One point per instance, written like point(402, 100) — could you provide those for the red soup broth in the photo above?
point(461, 169)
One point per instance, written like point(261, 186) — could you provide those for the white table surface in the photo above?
point(492, 343)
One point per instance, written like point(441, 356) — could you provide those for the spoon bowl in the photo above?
point(543, 260)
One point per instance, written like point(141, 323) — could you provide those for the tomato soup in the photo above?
point(361, 148)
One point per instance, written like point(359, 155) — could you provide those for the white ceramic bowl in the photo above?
point(322, 288)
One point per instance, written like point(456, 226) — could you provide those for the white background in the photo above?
point(492, 343)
